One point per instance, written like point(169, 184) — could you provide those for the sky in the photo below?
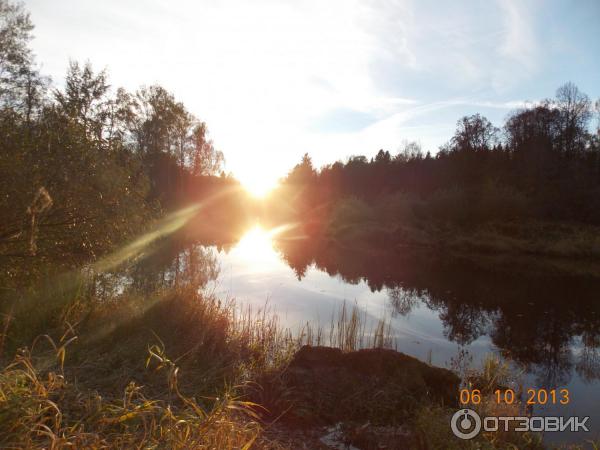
point(276, 79)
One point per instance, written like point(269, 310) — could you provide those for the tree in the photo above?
point(534, 129)
point(15, 55)
point(84, 98)
point(474, 133)
point(303, 173)
point(575, 111)
point(183, 137)
point(409, 151)
point(205, 159)
point(80, 169)
point(383, 157)
point(597, 109)
point(156, 114)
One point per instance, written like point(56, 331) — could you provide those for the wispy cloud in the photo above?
point(519, 47)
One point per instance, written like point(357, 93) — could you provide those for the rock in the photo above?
point(311, 357)
point(325, 386)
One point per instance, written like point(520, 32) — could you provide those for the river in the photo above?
point(446, 311)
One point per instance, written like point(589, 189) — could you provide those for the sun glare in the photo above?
point(258, 185)
point(256, 248)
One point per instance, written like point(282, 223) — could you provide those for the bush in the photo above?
point(351, 211)
point(397, 207)
point(447, 205)
point(501, 203)
point(492, 202)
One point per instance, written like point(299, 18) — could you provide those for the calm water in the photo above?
point(548, 327)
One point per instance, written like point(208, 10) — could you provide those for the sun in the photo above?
point(258, 184)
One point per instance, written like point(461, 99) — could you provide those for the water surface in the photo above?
point(438, 308)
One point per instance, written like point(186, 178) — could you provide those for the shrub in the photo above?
point(351, 211)
point(498, 202)
point(397, 207)
point(448, 205)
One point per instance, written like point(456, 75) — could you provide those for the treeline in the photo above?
point(543, 164)
point(84, 166)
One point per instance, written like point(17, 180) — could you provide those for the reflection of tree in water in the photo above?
point(588, 365)
point(298, 253)
point(463, 322)
point(534, 320)
point(543, 345)
point(171, 264)
point(403, 300)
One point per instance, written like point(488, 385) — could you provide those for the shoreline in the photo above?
point(564, 254)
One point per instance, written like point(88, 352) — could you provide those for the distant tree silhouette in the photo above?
point(543, 163)
point(473, 133)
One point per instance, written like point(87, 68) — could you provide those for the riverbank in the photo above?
point(179, 369)
point(543, 247)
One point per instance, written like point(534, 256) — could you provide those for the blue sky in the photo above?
point(276, 79)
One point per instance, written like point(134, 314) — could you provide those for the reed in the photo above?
point(349, 330)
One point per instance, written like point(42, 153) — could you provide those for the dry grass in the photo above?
point(115, 386)
point(160, 372)
point(348, 331)
point(42, 409)
point(431, 423)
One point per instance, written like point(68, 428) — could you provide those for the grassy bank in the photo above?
point(403, 222)
point(102, 378)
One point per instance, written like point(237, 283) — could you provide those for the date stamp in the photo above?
point(533, 396)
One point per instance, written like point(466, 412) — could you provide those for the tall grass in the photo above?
point(54, 395)
point(348, 330)
point(160, 371)
point(43, 409)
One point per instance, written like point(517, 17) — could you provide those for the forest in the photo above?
point(84, 167)
point(535, 178)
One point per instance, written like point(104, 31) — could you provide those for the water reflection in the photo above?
point(255, 248)
point(588, 365)
point(172, 263)
point(550, 325)
point(403, 300)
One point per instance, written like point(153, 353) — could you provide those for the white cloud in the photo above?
point(519, 48)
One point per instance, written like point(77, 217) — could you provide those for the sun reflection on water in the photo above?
point(255, 249)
